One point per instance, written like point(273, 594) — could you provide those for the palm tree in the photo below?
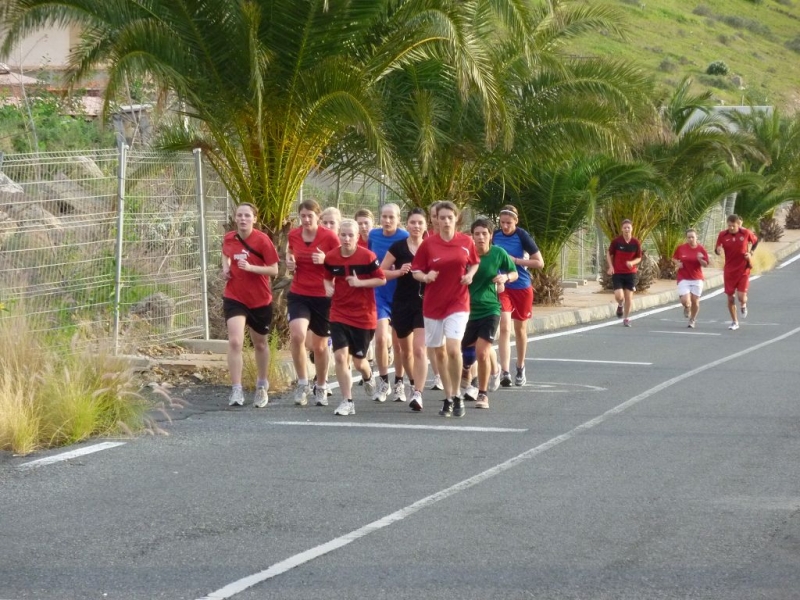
point(266, 85)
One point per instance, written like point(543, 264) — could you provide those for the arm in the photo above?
point(535, 261)
point(467, 278)
point(387, 266)
point(226, 267)
point(372, 282)
point(328, 283)
point(268, 270)
point(610, 262)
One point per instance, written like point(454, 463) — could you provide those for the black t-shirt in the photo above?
point(409, 290)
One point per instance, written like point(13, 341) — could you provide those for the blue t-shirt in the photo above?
point(380, 244)
point(516, 245)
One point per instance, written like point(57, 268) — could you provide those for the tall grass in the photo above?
point(51, 396)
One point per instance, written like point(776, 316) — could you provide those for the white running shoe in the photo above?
point(382, 391)
point(437, 383)
point(321, 395)
point(236, 398)
point(734, 326)
point(371, 385)
point(691, 324)
point(470, 392)
point(744, 311)
point(494, 381)
point(260, 399)
point(345, 409)
point(399, 392)
point(416, 401)
point(301, 394)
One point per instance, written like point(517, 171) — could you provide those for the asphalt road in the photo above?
point(644, 463)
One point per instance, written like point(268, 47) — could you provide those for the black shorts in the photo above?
point(354, 338)
point(314, 308)
point(484, 329)
point(624, 281)
point(258, 319)
point(405, 319)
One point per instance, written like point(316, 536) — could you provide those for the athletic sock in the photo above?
point(398, 379)
point(261, 383)
point(385, 378)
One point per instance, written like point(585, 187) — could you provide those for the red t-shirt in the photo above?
point(350, 305)
point(363, 243)
point(735, 245)
point(251, 289)
point(622, 251)
point(691, 268)
point(445, 295)
point(308, 276)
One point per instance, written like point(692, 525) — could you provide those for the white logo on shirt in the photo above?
point(435, 259)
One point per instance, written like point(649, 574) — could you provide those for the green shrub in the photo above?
point(794, 44)
point(717, 67)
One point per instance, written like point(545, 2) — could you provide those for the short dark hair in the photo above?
point(311, 205)
point(482, 222)
point(627, 221)
point(416, 211)
point(734, 218)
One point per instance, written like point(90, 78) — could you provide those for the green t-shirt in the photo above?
point(483, 301)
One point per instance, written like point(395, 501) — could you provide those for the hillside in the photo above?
point(759, 41)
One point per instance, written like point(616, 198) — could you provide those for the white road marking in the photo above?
point(241, 585)
point(788, 262)
point(684, 332)
point(586, 360)
point(71, 454)
point(397, 426)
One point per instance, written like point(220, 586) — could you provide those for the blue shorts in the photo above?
point(384, 308)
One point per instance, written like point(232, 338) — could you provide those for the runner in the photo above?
point(446, 264)
point(249, 259)
point(365, 222)
point(623, 257)
point(517, 298)
point(431, 352)
point(407, 321)
point(307, 303)
point(690, 258)
point(379, 242)
point(351, 274)
point(496, 268)
point(330, 219)
point(738, 244)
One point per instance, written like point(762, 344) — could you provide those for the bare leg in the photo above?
point(521, 338)
point(732, 308)
point(319, 346)
point(261, 345)
point(483, 350)
point(297, 339)
point(504, 340)
point(342, 360)
point(420, 362)
point(399, 357)
point(628, 295)
point(383, 337)
point(444, 372)
point(403, 349)
point(235, 344)
point(453, 368)
point(695, 307)
point(433, 358)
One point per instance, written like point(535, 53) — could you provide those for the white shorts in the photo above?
point(690, 286)
point(451, 327)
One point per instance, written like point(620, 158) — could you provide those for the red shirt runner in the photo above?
point(735, 246)
point(308, 277)
point(446, 295)
point(251, 289)
point(622, 251)
point(691, 268)
point(350, 305)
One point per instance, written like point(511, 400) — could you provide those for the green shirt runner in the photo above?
point(483, 301)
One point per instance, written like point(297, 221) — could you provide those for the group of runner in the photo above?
point(437, 297)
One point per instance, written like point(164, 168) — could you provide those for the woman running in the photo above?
point(249, 259)
point(407, 320)
point(690, 258)
point(307, 303)
point(517, 298)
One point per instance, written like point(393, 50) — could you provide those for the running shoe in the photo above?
point(494, 381)
point(345, 409)
point(416, 401)
point(320, 395)
point(626, 323)
point(447, 409)
point(260, 399)
point(301, 394)
point(744, 311)
point(437, 383)
point(236, 398)
point(505, 379)
point(399, 391)
point(520, 378)
point(734, 326)
point(459, 410)
point(691, 324)
point(471, 391)
point(619, 311)
point(371, 385)
point(482, 401)
point(381, 391)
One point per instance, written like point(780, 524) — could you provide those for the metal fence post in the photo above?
point(123, 160)
point(201, 212)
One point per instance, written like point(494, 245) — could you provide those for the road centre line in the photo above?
point(684, 332)
point(71, 454)
point(788, 262)
point(397, 426)
point(586, 360)
point(279, 568)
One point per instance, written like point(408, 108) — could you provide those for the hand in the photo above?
point(629, 264)
point(679, 263)
point(501, 279)
point(318, 257)
point(226, 274)
point(405, 268)
point(500, 288)
point(718, 250)
point(610, 270)
point(353, 280)
point(291, 263)
point(466, 279)
point(431, 276)
point(243, 264)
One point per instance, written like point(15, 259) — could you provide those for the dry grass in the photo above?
point(763, 260)
point(52, 397)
